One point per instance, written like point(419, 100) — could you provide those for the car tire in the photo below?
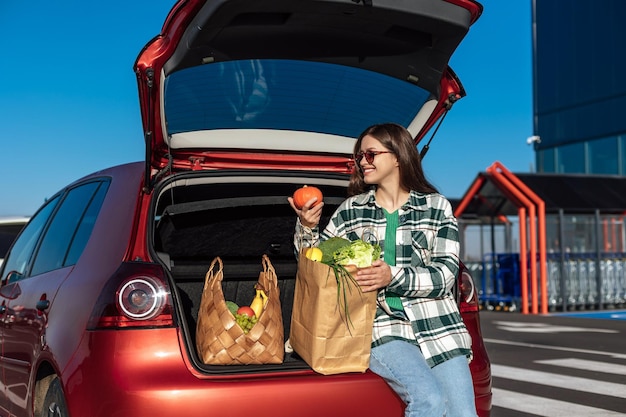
point(54, 402)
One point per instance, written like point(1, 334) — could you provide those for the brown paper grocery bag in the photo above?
point(330, 338)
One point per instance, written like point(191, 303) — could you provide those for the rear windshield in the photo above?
point(288, 95)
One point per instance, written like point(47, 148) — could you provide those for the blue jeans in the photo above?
point(445, 390)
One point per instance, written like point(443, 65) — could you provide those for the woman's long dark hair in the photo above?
point(398, 140)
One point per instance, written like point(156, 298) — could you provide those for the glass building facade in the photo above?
point(579, 73)
point(579, 128)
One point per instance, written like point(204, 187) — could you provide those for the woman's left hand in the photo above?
point(374, 277)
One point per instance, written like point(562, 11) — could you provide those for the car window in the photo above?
point(65, 229)
point(86, 226)
point(22, 250)
point(284, 94)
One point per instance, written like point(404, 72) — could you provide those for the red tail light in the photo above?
point(468, 299)
point(135, 296)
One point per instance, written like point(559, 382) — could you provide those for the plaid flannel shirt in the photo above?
point(427, 248)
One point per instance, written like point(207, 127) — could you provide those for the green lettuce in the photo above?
point(359, 253)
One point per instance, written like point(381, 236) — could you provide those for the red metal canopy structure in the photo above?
point(531, 213)
point(577, 221)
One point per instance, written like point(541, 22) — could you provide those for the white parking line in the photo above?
point(545, 407)
point(586, 365)
point(523, 327)
point(559, 381)
point(559, 348)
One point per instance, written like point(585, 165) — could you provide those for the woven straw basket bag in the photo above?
point(220, 340)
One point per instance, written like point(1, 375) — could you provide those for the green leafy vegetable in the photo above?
point(232, 307)
point(359, 253)
point(330, 246)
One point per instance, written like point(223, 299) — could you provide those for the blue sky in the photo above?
point(69, 107)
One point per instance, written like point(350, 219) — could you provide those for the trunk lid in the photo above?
point(291, 83)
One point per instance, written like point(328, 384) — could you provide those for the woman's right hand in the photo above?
point(309, 216)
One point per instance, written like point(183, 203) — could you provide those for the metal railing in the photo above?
point(575, 281)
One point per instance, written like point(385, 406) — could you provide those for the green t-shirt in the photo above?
point(393, 301)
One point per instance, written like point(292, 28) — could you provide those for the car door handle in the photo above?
point(43, 305)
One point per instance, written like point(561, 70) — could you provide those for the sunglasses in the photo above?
point(369, 156)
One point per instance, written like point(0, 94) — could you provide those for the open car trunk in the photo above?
point(238, 216)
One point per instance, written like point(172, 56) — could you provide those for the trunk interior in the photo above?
point(238, 218)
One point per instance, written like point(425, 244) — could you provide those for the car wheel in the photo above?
point(54, 402)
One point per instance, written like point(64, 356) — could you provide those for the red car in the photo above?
point(243, 101)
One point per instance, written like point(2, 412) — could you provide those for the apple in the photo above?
point(246, 311)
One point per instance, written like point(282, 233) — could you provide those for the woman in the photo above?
point(420, 345)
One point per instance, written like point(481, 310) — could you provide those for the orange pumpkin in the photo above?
point(304, 194)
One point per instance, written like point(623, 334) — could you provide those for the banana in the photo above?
point(264, 297)
point(258, 303)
